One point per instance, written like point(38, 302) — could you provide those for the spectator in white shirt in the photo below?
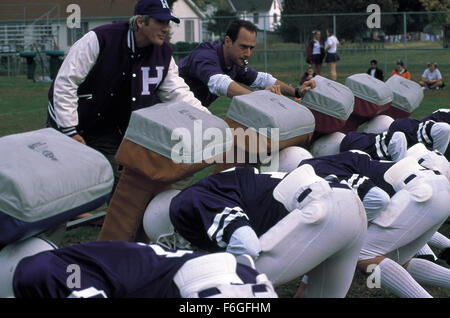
point(431, 77)
point(332, 57)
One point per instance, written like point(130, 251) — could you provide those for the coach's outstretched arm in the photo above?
point(280, 88)
point(212, 69)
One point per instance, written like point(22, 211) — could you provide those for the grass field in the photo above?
point(23, 106)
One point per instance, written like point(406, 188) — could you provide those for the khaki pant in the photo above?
point(145, 174)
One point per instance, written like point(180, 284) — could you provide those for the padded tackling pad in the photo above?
point(262, 110)
point(253, 116)
point(258, 113)
point(407, 97)
point(162, 127)
point(146, 153)
point(372, 97)
point(376, 93)
point(331, 104)
point(47, 178)
point(199, 140)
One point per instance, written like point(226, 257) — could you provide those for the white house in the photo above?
point(43, 25)
point(190, 28)
point(265, 14)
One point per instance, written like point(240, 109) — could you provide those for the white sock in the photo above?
point(439, 241)
point(397, 280)
point(429, 273)
point(426, 250)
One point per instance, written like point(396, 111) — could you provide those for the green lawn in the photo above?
point(23, 106)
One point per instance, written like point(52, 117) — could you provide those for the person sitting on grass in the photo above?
point(374, 71)
point(400, 70)
point(432, 77)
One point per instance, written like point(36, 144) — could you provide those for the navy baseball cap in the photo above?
point(158, 9)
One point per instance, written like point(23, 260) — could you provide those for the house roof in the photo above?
point(195, 8)
point(251, 5)
point(33, 9)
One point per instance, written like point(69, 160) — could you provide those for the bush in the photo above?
point(182, 49)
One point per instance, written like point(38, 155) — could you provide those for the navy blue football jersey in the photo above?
point(376, 145)
point(439, 116)
point(207, 213)
point(358, 170)
point(415, 131)
point(115, 269)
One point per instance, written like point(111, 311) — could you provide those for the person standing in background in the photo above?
point(332, 57)
point(315, 52)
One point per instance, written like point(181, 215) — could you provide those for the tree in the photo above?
point(219, 21)
point(436, 20)
point(436, 5)
point(298, 29)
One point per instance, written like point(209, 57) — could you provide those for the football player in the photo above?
point(289, 223)
point(418, 208)
point(34, 268)
point(441, 115)
point(402, 134)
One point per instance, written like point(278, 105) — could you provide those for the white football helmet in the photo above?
point(378, 124)
point(12, 254)
point(215, 276)
point(327, 145)
point(157, 224)
point(289, 158)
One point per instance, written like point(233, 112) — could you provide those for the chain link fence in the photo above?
point(414, 37)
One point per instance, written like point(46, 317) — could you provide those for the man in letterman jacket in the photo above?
point(113, 70)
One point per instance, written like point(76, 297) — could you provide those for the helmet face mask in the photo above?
point(173, 241)
point(157, 224)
